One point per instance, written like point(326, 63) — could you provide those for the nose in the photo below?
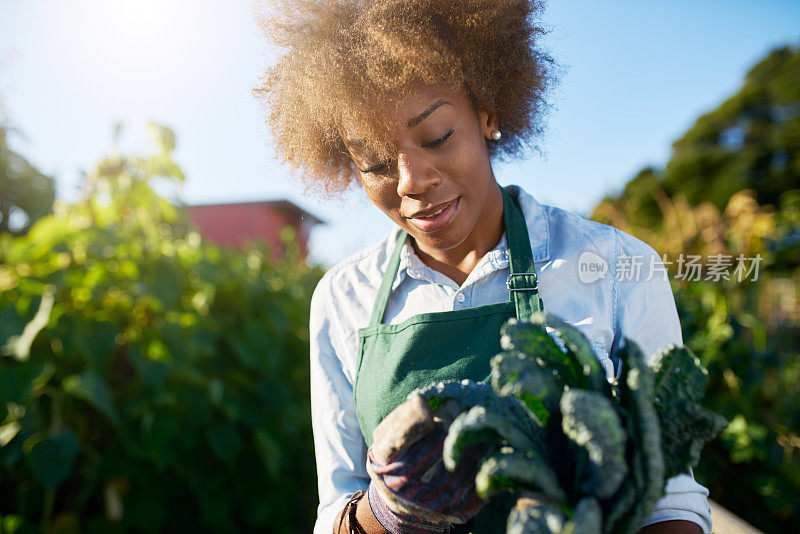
point(416, 173)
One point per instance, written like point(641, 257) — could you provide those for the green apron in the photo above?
point(395, 359)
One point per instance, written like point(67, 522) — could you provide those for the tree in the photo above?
point(751, 141)
point(25, 193)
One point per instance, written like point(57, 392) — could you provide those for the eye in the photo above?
point(439, 142)
point(380, 168)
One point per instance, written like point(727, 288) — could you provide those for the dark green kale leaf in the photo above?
point(590, 422)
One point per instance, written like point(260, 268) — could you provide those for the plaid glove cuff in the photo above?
point(401, 523)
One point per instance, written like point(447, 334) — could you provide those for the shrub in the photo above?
point(150, 381)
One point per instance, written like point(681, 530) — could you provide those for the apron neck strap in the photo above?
point(379, 308)
point(522, 282)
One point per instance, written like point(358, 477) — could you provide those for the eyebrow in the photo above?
point(422, 116)
point(411, 122)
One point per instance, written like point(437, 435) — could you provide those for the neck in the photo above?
point(459, 261)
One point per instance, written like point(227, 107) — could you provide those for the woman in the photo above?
point(413, 100)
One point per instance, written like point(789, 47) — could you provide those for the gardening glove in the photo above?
point(410, 489)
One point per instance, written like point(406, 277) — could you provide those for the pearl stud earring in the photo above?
point(496, 135)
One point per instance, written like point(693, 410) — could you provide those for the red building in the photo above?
point(232, 225)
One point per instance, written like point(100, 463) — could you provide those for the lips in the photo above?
point(430, 212)
point(435, 218)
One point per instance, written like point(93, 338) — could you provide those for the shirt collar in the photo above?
point(536, 221)
point(538, 233)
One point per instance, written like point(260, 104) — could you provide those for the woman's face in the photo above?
point(440, 188)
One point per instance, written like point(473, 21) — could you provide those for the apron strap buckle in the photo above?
point(511, 276)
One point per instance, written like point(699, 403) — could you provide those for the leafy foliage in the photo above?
point(751, 348)
point(685, 425)
point(732, 188)
point(25, 193)
point(590, 422)
point(747, 333)
point(594, 461)
point(150, 381)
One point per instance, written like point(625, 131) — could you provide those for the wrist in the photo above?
point(399, 523)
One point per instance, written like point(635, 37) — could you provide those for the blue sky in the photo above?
point(635, 75)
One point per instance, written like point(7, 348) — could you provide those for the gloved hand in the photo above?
point(410, 489)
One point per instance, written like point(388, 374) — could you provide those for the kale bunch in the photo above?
point(583, 453)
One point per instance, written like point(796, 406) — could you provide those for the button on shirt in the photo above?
point(606, 283)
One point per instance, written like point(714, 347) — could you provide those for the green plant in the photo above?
point(746, 331)
point(149, 381)
point(583, 454)
point(25, 193)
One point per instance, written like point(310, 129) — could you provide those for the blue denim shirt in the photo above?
point(587, 276)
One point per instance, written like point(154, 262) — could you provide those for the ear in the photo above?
point(488, 123)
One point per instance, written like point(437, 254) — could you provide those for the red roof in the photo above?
point(233, 224)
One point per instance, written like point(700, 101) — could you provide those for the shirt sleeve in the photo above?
point(338, 444)
point(645, 313)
